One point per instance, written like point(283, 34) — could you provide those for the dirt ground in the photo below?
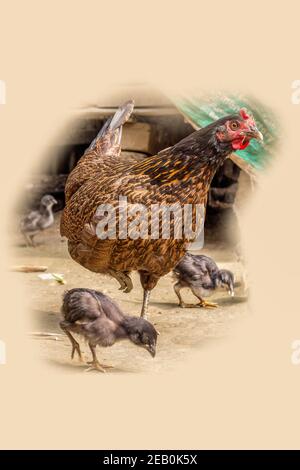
point(181, 330)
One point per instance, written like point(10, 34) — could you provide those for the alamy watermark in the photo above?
point(295, 356)
point(2, 92)
point(295, 96)
point(2, 101)
point(2, 353)
point(155, 221)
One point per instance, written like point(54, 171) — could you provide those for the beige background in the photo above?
point(242, 393)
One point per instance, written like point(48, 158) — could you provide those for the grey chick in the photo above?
point(201, 274)
point(39, 220)
point(100, 321)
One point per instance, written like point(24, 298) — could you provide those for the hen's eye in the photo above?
point(234, 125)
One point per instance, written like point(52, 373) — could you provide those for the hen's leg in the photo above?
point(128, 282)
point(148, 282)
point(146, 297)
point(75, 344)
point(123, 279)
point(95, 364)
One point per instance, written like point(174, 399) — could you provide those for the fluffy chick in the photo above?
point(39, 220)
point(100, 321)
point(201, 274)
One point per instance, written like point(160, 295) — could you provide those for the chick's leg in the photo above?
point(32, 241)
point(95, 364)
point(177, 289)
point(182, 304)
point(203, 303)
point(28, 239)
point(75, 344)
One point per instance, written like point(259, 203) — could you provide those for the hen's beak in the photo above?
point(152, 349)
point(254, 133)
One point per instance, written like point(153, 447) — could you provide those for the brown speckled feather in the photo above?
point(180, 174)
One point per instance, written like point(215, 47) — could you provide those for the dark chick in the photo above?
point(100, 321)
point(39, 220)
point(201, 274)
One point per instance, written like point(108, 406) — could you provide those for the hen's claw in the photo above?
point(123, 279)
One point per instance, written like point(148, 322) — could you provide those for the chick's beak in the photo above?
point(231, 291)
point(152, 349)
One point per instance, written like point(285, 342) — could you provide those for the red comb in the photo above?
point(244, 114)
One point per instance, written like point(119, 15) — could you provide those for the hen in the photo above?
point(201, 274)
point(177, 175)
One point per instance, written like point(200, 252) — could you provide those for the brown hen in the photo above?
point(179, 175)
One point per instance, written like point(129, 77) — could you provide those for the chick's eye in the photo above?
point(234, 125)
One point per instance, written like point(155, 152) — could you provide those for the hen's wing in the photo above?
point(98, 180)
point(81, 219)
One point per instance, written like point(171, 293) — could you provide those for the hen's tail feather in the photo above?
point(115, 123)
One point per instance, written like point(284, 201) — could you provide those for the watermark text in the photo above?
point(154, 221)
point(2, 92)
point(295, 356)
point(2, 353)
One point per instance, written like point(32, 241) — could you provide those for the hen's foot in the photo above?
point(123, 279)
point(128, 283)
point(95, 365)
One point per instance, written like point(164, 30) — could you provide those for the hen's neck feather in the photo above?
point(190, 163)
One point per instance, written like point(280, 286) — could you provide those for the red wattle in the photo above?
point(240, 144)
